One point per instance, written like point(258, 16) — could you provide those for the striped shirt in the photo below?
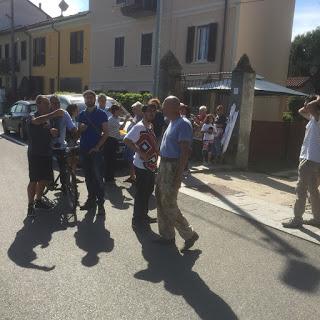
point(113, 127)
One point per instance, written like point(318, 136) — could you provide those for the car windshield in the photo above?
point(33, 107)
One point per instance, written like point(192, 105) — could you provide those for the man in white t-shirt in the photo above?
point(309, 167)
point(142, 140)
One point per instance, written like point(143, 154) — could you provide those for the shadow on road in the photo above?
point(175, 270)
point(301, 276)
point(93, 238)
point(114, 194)
point(277, 243)
point(35, 232)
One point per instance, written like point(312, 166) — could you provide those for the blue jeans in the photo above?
point(92, 165)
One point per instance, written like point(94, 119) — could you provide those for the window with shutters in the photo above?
point(23, 50)
point(202, 43)
point(146, 49)
point(6, 51)
point(76, 47)
point(39, 52)
point(119, 52)
point(15, 52)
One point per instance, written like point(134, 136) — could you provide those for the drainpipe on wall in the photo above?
point(29, 51)
point(59, 42)
point(223, 46)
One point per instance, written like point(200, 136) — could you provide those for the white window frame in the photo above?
point(202, 43)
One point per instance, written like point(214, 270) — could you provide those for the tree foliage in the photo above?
point(305, 53)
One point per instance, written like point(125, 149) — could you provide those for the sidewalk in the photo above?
point(267, 199)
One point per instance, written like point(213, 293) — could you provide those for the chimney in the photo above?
point(40, 6)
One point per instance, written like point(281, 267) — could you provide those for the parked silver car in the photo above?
point(15, 119)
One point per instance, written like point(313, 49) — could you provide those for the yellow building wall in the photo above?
point(50, 69)
point(67, 70)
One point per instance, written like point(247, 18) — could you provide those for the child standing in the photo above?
point(209, 131)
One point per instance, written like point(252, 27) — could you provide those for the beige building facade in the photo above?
point(198, 36)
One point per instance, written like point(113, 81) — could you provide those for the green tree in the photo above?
point(305, 53)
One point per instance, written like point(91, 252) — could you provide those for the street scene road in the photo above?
point(102, 269)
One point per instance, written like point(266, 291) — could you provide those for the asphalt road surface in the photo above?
point(101, 269)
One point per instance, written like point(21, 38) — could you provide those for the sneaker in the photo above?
point(31, 212)
point(88, 205)
point(101, 210)
point(312, 222)
point(294, 223)
point(39, 204)
point(190, 242)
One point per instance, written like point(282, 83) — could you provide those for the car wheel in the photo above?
point(5, 129)
point(22, 133)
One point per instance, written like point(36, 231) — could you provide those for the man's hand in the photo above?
point(82, 127)
point(54, 132)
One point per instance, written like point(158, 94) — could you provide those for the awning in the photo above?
point(262, 88)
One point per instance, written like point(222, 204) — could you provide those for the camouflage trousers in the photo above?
point(308, 174)
point(169, 214)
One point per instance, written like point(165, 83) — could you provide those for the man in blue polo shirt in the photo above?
point(174, 152)
point(93, 126)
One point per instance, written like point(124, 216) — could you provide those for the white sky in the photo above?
point(307, 13)
point(52, 6)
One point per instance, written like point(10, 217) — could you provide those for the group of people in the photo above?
point(98, 132)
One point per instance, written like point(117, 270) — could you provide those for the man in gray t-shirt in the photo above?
point(174, 152)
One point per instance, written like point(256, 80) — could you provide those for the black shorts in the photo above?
point(40, 168)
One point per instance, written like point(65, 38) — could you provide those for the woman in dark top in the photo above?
point(158, 122)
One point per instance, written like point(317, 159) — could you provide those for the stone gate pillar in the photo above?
point(242, 94)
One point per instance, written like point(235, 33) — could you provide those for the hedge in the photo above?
point(127, 99)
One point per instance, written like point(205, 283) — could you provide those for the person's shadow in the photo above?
point(93, 238)
point(175, 270)
point(114, 194)
point(35, 232)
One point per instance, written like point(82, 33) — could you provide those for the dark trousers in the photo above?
point(92, 165)
point(110, 158)
point(60, 156)
point(144, 187)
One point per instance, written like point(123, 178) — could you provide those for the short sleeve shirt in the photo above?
point(91, 136)
point(39, 142)
point(179, 130)
point(62, 124)
point(134, 135)
point(113, 128)
point(310, 149)
point(209, 132)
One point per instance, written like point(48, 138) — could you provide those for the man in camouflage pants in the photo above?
point(174, 152)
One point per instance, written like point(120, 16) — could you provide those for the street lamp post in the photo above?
point(12, 62)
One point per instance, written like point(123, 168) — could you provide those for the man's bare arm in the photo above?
point(43, 119)
point(183, 160)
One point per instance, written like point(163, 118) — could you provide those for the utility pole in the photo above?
point(157, 50)
point(12, 62)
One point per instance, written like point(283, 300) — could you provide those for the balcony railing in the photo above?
point(138, 8)
point(5, 66)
